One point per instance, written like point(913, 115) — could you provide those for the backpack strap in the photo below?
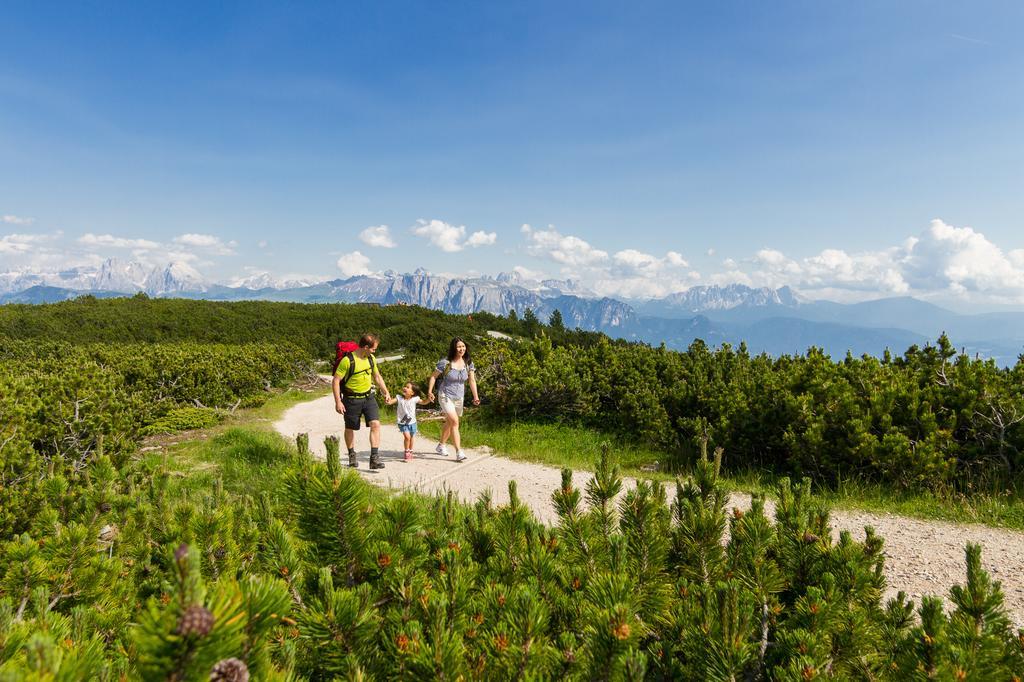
point(352, 369)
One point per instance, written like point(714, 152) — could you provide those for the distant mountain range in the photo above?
point(775, 321)
point(112, 275)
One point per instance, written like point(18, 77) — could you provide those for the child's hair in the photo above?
point(415, 388)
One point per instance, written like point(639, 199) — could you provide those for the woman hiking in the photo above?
point(451, 375)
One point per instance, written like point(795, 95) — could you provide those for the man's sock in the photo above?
point(374, 452)
point(351, 451)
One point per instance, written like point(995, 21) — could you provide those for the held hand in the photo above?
point(430, 397)
point(476, 401)
point(339, 408)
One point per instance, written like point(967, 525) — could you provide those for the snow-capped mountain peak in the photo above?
point(266, 280)
point(174, 277)
point(111, 275)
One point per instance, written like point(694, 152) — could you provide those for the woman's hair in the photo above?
point(451, 350)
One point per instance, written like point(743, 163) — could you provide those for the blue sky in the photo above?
point(649, 148)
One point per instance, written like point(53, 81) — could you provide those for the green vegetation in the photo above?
point(183, 419)
point(64, 408)
point(929, 420)
point(238, 552)
point(236, 555)
point(313, 327)
point(576, 447)
point(558, 445)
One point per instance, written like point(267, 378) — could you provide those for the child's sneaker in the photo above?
point(408, 455)
point(441, 450)
point(460, 456)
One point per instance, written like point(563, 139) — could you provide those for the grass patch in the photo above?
point(244, 452)
point(245, 460)
point(252, 447)
point(553, 444)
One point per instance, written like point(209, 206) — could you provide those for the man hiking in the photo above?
point(353, 378)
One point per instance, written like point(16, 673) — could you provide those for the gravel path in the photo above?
point(922, 557)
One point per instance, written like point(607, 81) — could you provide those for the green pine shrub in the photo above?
point(183, 419)
point(308, 572)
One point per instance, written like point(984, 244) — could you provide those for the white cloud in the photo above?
point(262, 243)
point(481, 238)
point(528, 274)
point(16, 220)
point(352, 264)
point(676, 260)
point(567, 250)
point(108, 240)
point(24, 243)
point(207, 242)
point(942, 262)
point(961, 260)
point(630, 273)
point(451, 238)
point(379, 236)
point(175, 255)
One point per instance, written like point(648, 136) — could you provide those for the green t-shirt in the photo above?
point(362, 377)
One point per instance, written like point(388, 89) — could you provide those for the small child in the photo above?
point(406, 415)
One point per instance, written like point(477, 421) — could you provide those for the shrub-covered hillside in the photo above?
point(239, 558)
point(313, 327)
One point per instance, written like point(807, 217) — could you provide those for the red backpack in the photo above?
point(343, 348)
point(347, 348)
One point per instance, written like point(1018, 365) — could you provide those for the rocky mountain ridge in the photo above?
point(113, 274)
point(769, 320)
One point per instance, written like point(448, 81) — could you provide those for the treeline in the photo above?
point(65, 406)
point(928, 418)
point(315, 327)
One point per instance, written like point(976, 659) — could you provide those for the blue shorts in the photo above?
point(408, 428)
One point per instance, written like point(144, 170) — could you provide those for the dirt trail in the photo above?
point(922, 557)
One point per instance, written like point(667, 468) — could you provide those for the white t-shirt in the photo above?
point(406, 413)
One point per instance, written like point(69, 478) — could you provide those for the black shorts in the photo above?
point(354, 407)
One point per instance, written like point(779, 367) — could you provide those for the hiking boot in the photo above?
point(375, 462)
point(352, 461)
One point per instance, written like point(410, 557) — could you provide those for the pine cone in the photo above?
point(196, 620)
point(230, 670)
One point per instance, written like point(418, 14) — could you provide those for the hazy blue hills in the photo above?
point(46, 294)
